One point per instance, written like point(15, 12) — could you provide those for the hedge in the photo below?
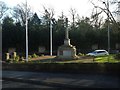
point(104, 68)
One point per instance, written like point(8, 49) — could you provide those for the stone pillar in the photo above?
point(66, 31)
point(7, 56)
point(66, 40)
point(14, 55)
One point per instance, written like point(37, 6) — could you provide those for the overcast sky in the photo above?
point(83, 7)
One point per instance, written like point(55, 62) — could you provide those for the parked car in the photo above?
point(98, 53)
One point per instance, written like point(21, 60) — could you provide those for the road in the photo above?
point(62, 80)
point(12, 84)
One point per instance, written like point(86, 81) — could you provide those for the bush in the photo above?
point(29, 56)
point(117, 56)
point(80, 54)
point(42, 54)
point(17, 58)
point(9, 61)
point(34, 55)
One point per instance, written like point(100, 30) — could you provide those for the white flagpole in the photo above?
point(50, 37)
point(108, 28)
point(26, 33)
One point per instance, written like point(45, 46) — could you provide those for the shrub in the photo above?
point(22, 58)
point(42, 54)
point(17, 58)
point(80, 54)
point(29, 56)
point(9, 61)
point(34, 55)
point(117, 56)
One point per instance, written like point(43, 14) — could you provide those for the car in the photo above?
point(98, 53)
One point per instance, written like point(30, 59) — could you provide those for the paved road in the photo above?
point(63, 80)
point(12, 84)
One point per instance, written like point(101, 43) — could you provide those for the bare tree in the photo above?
point(19, 13)
point(96, 19)
point(105, 9)
point(116, 3)
point(3, 9)
point(48, 15)
point(73, 14)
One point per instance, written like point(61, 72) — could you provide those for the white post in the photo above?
point(108, 28)
point(26, 33)
point(50, 37)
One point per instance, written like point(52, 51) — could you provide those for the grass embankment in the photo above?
point(82, 59)
point(85, 64)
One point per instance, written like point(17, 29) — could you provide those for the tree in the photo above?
point(35, 20)
point(3, 9)
point(47, 15)
point(73, 14)
point(106, 10)
point(59, 31)
point(78, 36)
point(60, 23)
point(7, 31)
point(7, 21)
point(19, 13)
point(96, 19)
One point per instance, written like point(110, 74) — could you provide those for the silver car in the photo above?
point(98, 53)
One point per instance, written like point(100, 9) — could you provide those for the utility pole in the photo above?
point(108, 23)
point(26, 33)
point(118, 14)
point(50, 22)
point(108, 27)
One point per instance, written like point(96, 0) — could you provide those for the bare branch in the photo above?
point(20, 12)
point(106, 10)
point(3, 9)
point(73, 13)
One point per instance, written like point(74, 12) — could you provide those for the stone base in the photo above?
point(66, 52)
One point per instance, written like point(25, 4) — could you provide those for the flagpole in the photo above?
point(108, 27)
point(50, 37)
point(26, 33)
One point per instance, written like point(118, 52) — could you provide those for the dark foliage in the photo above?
point(83, 35)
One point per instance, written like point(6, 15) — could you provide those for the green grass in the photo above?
point(100, 59)
point(104, 59)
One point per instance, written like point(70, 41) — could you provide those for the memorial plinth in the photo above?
point(66, 51)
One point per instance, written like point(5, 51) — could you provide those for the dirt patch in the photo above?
point(43, 57)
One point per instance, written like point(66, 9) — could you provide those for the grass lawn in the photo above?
point(83, 59)
point(104, 59)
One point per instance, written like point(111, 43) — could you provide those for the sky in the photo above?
point(82, 7)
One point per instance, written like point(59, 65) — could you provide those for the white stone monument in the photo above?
point(66, 51)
